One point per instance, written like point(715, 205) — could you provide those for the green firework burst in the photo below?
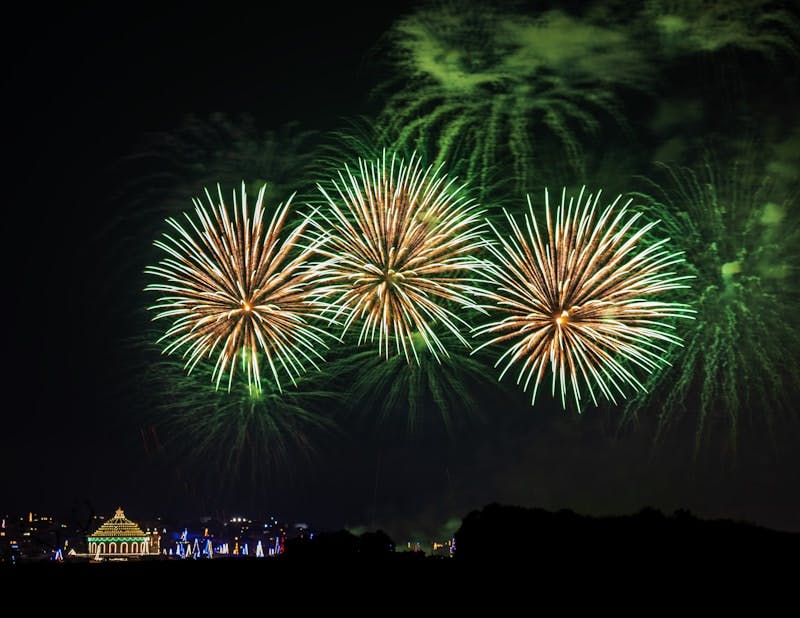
point(682, 27)
point(246, 431)
point(741, 242)
point(448, 389)
point(492, 86)
point(225, 149)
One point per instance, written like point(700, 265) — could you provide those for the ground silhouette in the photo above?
point(497, 541)
point(498, 533)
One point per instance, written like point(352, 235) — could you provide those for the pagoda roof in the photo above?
point(118, 527)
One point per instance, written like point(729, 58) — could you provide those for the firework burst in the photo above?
point(232, 288)
point(243, 430)
point(428, 395)
point(399, 242)
point(740, 233)
point(486, 84)
point(763, 27)
point(579, 300)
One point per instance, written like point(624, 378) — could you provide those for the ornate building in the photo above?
point(119, 537)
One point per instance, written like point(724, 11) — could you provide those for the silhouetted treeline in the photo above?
point(500, 533)
point(344, 545)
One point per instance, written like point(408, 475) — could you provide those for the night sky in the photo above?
point(83, 89)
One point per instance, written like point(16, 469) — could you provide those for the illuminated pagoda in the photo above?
point(118, 537)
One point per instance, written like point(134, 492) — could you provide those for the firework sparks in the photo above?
point(233, 288)
point(400, 243)
point(579, 299)
point(424, 394)
point(244, 433)
point(740, 232)
point(482, 84)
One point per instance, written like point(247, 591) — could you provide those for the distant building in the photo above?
point(119, 537)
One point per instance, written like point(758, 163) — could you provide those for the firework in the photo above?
point(242, 430)
point(423, 394)
point(232, 289)
point(400, 243)
point(154, 181)
point(762, 27)
point(202, 151)
point(741, 236)
point(484, 86)
point(580, 301)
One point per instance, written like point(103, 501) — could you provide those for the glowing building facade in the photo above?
point(119, 537)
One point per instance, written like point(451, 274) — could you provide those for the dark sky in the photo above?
point(82, 87)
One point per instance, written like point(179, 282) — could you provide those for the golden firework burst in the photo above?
point(232, 288)
point(581, 299)
point(400, 244)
